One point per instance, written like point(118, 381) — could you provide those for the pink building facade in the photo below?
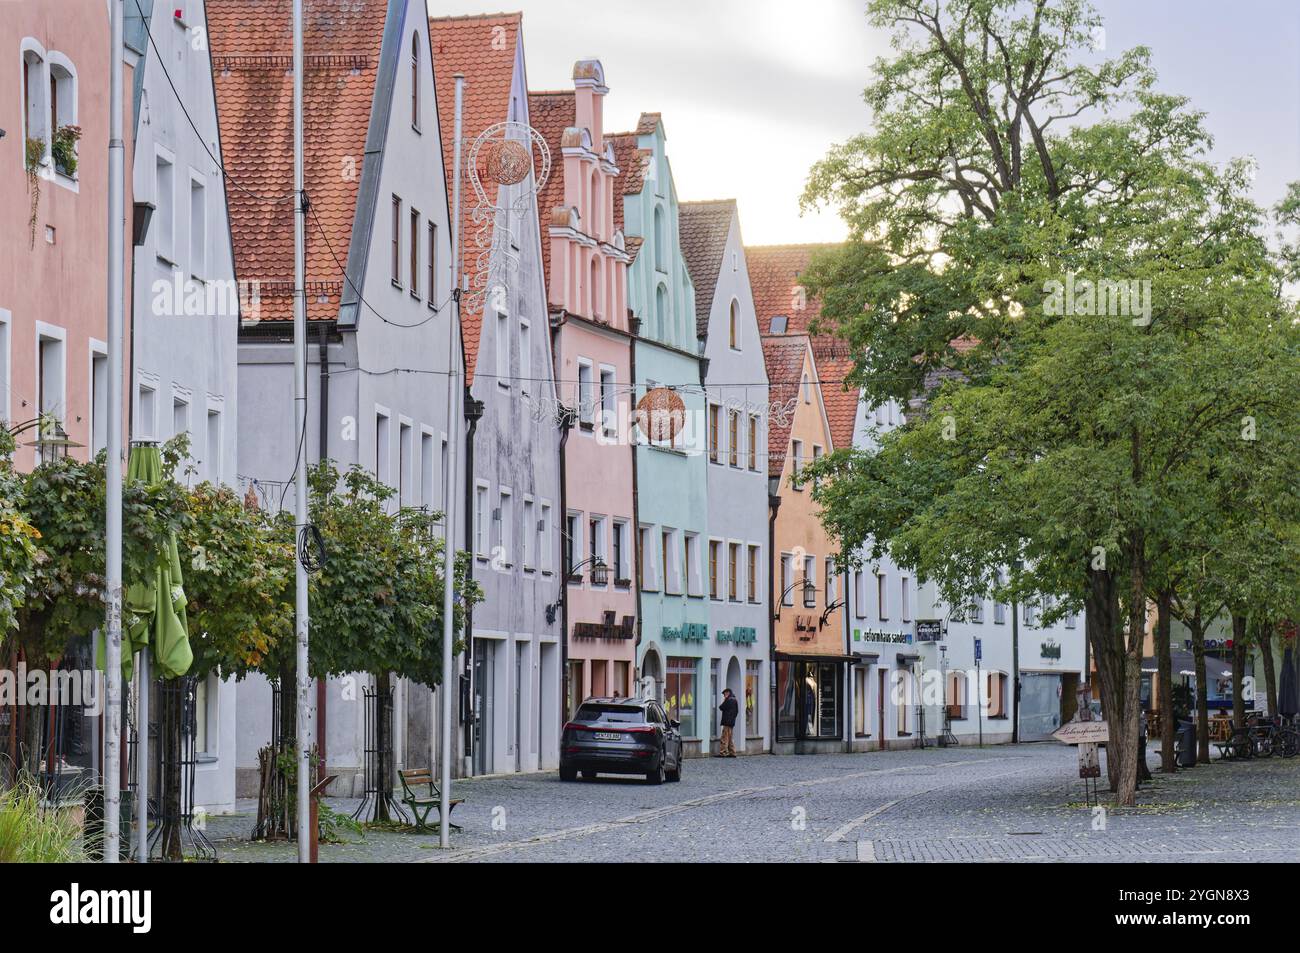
point(587, 263)
point(54, 252)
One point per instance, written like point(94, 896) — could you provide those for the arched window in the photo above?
point(661, 312)
point(596, 303)
point(733, 324)
point(597, 211)
point(34, 92)
point(415, 81)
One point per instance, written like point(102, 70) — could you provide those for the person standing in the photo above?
point(729, 709)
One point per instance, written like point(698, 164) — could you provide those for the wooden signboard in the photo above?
point(1082, 733)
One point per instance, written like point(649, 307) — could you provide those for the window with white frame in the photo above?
point(426, 470)
point(596, 549)
point(481, 521)
point(414, 254)
point(733, 572)
point(503, 350)
point(395, 264)
point(608, 402)
point(586, 398)
point(671, 561)
point(505, 520)
point(694, 577)
point(165, 198)
point(198, 227)
point(431, 259)
point(999, 613)
point(146, 412)
point(621, 555)
point(5, 368)
point(809, 575)
point(530, 534)
point(544, 539)
point(214, 445)
point(753, 579)
point(715, 569)
point(860, 594)
point(796, 452)
point(383, 449)
point(35, 90)
point(526, 358)
point(405, 436)
point(733, 438)
point(572, 542)
point(787, 579)
point(882, 596)
point(905, 599)
point(645, 561)
point(753, 441)
point(51, 371)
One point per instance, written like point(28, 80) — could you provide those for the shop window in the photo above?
point(753, 691)
point(997, 687)
point(954, 695)
point(680, 693)
point(861, 727)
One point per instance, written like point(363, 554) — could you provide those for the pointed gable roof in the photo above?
point(784, 356)
point(483, 48)
point(703, 228)
point(551, 113)
point(632, 162)
point(774, 272)
point(251, 45)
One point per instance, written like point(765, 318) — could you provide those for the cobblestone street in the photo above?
point(996, 804)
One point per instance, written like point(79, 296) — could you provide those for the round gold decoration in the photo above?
point(506, 162)
point(661, 415)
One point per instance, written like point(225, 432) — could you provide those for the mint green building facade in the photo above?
point(677, 575)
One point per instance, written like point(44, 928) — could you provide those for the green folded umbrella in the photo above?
point(153, 608)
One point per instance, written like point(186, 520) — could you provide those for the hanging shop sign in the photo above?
point(880, 635)
point(740, 634)
point(689, 632)
point(929, 630)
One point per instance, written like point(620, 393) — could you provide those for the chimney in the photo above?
point(590, 90)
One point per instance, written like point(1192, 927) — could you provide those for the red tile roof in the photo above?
point(774, 277)
point(702, 231)
point(550, 113)
point(632, 163)
point(252, 47)
point(784, 357)
point(483, 49)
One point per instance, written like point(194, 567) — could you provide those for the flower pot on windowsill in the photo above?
point(63, 150)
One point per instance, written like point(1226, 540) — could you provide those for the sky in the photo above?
point(753, 92)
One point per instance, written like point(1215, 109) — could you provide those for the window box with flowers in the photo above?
point(63, 150)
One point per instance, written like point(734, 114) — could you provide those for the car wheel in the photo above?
point(676, 773)
point(568, 774)
point(657, 775)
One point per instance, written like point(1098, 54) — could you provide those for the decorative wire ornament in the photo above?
point(502, 157)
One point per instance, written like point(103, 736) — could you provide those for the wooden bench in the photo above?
point(422, 805)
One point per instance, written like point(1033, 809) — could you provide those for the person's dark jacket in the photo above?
point(729, 709)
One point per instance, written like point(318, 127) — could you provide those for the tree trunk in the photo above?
point(1165, 683)
point(1101, 602)
point(1238, 668)
point(1131, 724)
point(1264, 638)
point(1202, 690)
point(383, 743)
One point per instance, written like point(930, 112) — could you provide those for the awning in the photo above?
point(907, 658)
point(866, 658)
point(788, 657)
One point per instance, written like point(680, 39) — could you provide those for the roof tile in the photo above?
point(702, 231)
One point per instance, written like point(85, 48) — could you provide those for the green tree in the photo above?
point(1054, 431)
point(18, 541)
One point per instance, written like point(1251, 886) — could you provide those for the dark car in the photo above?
point(621, 736)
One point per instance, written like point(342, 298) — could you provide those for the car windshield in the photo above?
point(611, 714)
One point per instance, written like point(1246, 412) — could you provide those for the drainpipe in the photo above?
point(847, 724)
point(322, 684)
point(773, 504)
point(473, 412)
point(634, 326)
point(565, 422)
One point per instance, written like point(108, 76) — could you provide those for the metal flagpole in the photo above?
point(113, 472)
point(300, 464)
point(448, 480)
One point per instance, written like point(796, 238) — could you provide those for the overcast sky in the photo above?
point(753, 92)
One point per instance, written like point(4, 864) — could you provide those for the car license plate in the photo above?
point(609, 735)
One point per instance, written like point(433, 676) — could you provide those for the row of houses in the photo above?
point(639, 386)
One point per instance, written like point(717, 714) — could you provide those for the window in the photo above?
point(180, 416)
point(525, 357)
point(586, 404)
point(214, 446)
point(382, 449)
point(806, 388)
point(715, 419)
point(661, 240)
point(530, 534)
point(431, 256)
point(679, 693)
point(596, 541)
point(997, 687)
point(415, 81)
point(165, 198)
point(503, 350)
point(860, 727)
point(977, 611)
point(644, 551)
point(715, 553)
point(620, 568)
point(544, 539)
point(50, 379)
point(882, 597)
point(1071, 620)
point(753, 442)
point(608, 404)
point(672, 578)
point(34, 95)
point(572, 542)
point(505, 520)
point(905, 607)
point(198, 228)
point(809, 576)
point(146, 413)
point(98, 395)
point(1030, 614)
point(397, 242)
point(860, 594)
point(753, 691)
point(787, 580)
point(426, 470)
point(415, 254)
point(830, 582)
point(694, 578)
point(481, 520)
point(752, 574)
point(733, 572)
point(404, 438)
point(733, 437)
point(796, 465)
point(733, 326)
point(817, 455)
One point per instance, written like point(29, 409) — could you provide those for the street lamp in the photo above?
point(53, 444)
point(809, 595)
point(599, 577)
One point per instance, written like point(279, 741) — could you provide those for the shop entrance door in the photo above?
point(1040, 705)
point(484, 702)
